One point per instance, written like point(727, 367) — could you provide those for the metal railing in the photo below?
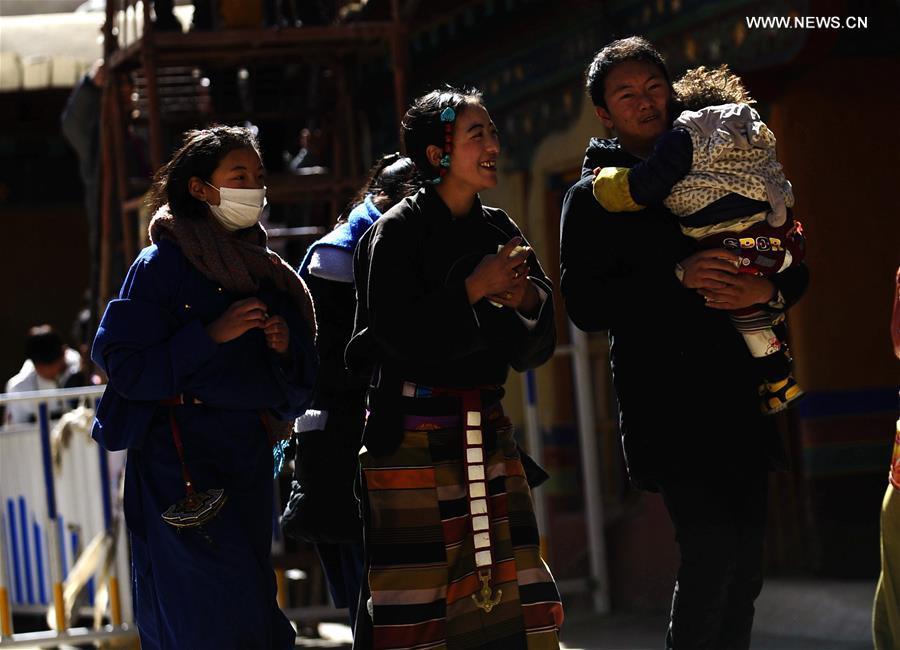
point(33, 531)
point(40, 496)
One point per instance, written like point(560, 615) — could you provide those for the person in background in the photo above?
point(49, 364)
point(164, 19)
point(80, 123)
point(323, 507)
point(449, 298)
point(209, 350)
point(310, 158)
point(886, 611)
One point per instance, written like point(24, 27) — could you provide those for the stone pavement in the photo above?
point(792, 614)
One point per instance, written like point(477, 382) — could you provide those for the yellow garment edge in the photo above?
point(612, 192)
point(886, 609)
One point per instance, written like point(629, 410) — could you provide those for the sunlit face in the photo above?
point(476, 147)
point(637, 97)
point(240, 169)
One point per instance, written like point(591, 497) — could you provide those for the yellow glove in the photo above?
point(612, 192)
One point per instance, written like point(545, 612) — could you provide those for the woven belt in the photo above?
point(476, 482)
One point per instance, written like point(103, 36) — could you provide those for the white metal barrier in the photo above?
point(597, 583)
point(58, 499)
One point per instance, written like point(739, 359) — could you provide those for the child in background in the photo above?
point(716, 170)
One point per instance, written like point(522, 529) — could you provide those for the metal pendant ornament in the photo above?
point(488, 601)
point(196, 508)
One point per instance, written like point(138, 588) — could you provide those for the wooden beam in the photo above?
point(148, 58)
point(200, 47)
point(106, 208)
point(120, 165)
point(110, 42)
point(400, 57)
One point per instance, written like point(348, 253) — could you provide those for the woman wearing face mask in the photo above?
point(210, 357)
point(450, 297)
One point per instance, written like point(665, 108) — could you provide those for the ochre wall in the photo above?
point(45, 273)
point(839, 141)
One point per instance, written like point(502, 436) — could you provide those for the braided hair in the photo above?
point(390, 180)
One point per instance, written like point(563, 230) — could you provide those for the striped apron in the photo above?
point(452, 542)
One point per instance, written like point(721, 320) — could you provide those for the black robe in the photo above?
point(413, 319)
point(687, 393)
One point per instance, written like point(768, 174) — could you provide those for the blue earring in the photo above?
point(448, 116)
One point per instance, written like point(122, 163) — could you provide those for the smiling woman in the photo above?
point(450, 297)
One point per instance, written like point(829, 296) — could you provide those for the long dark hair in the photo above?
point(201, 153)
point(422, 124)
point(390, 179)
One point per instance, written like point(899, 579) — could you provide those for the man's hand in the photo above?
point(743, 290)
point(710, 269)
point(714, 274)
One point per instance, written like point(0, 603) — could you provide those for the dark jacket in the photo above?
point(687, 393)
point(413, 315)
point(413, 318)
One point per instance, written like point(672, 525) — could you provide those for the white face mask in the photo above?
point(238, 208)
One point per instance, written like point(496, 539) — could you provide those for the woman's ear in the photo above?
point(199, 190)
point(434, 155)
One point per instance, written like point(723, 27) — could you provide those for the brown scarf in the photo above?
point(236, 261)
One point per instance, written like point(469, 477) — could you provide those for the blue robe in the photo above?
point(189, 591)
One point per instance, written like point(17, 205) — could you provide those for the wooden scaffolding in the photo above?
point(165, 64)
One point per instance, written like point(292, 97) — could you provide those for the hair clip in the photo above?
point(448, 114)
